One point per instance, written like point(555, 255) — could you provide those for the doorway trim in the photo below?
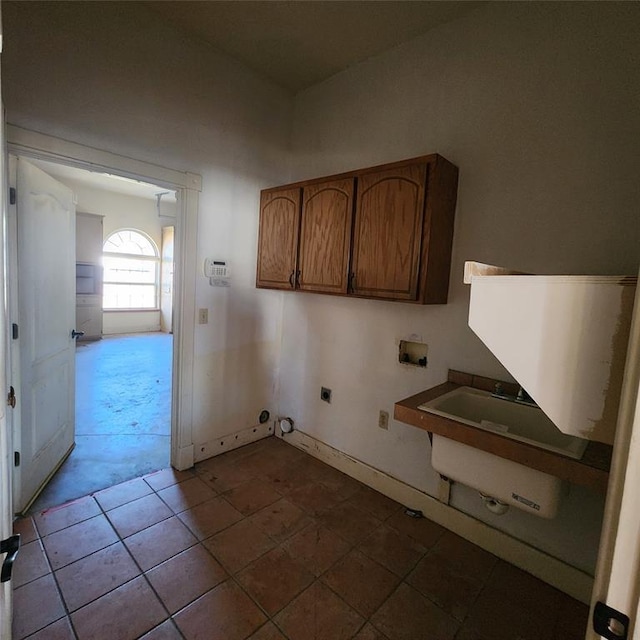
point(31, 144)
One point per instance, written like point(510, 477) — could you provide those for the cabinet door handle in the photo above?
point(351, 283)
point(298, 273)
point(291, 282)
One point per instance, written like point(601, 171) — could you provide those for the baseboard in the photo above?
point(233, 441)
point(184, 459)
point(558, 574)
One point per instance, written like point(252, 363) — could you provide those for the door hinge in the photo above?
point(12, 195)
point(16, 458)
point(609, 623)
point(11, 398)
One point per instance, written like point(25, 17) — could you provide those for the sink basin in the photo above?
point(514, 420)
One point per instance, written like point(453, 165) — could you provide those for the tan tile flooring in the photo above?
point(266, 543)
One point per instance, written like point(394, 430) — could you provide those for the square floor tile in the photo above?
point(185, 577)
point(516, 603)
point(206, 519)
point(125, 613)
point(318, 613)
point(369, 632)
point(422, 530)
point(225, 613)
point(65, 515)
point(159, 542)
point(313, 498)
point(138, 515)
point(288, 477)
point(451, 588)
point(267, 632)
point(392, 549)
point(252, 496)
point(464, 555)
point(166, 631)
point(361, 582)
point(340, 483)
point(122, 493)
point(375, 503)
point(26, 527)
point(35, 606)
point(316, 548)
point(274, 580)
point(239, 545)
point(223, 476)
point(349, 523)
point(60, 630)
point(573, 619)
point(78, 540)
point(32, 564)
point(407, 615)
point(186, 494)
point(97, 574)
point(281, 520)
point(166, 477)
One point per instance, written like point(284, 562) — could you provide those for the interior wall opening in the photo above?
point(124, 266)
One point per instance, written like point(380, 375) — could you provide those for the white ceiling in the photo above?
point(300, 43)
point(104, 181)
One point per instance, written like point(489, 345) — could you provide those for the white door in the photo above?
point(45, 213)
point(617, 582)
point(6, 447)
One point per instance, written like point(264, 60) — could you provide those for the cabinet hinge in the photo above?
point(12, 195)
point(609, 623)
point(16, 458)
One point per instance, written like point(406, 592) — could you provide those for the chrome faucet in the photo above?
point(522, 397)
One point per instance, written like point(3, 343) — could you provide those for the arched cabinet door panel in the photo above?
point(388, 233)
point(325, 236)
point(278, 239)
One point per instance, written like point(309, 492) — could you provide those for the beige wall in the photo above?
point(122, 211)
point(537, 104)
point(112, 76)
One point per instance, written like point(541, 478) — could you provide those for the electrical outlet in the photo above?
point(203, 316)
point(325, 394)
point(383, 419)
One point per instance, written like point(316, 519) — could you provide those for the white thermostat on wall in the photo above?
point(216, 268)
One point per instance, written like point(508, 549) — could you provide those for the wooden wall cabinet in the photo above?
point(278, 241)
point(385, 232)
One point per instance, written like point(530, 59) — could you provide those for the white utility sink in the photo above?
point(508, 481)
point(510, 419)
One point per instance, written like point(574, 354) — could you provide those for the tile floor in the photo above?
point(266, 543)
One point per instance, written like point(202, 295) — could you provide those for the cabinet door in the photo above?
point(278, 240)
point(325, 236)
point(388, 233)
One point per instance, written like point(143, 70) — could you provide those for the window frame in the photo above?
point(132, 256)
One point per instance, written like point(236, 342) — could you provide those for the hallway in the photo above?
point(123, 415)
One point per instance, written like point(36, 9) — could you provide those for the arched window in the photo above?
point(130, 260)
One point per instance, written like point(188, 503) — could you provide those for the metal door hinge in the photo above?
point(10, 546)
point(609, 623)
point(11, 398)
point(12, 195)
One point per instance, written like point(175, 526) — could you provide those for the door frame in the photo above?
point(30, 144)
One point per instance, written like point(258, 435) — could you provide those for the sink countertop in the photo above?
point(592, 470)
